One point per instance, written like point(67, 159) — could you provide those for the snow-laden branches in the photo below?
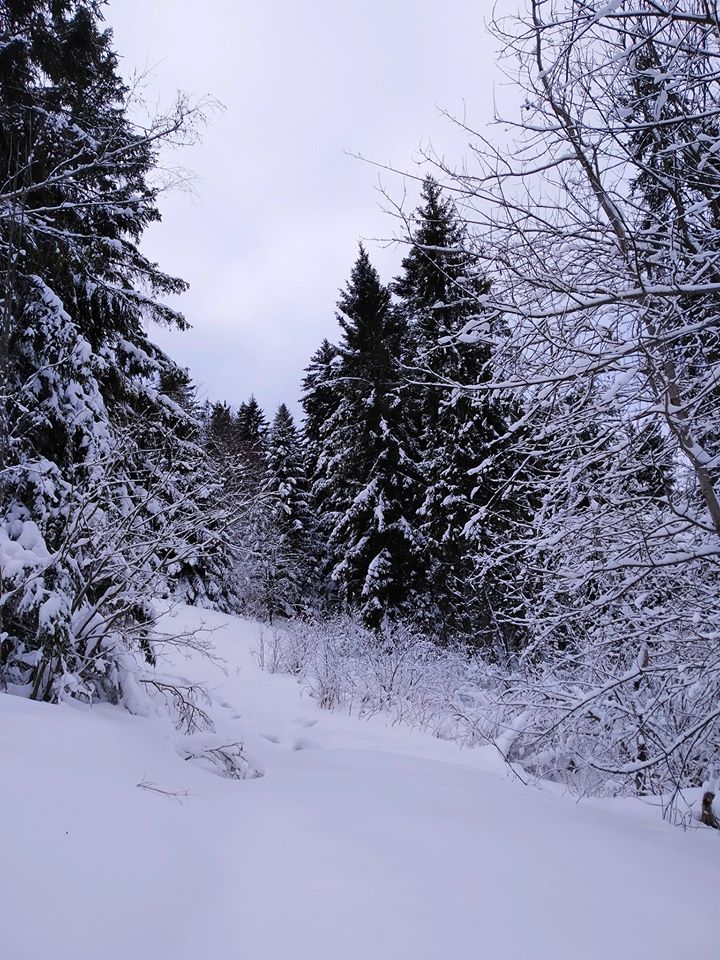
point(599, 224)
point(106, 497)
point(80, 583)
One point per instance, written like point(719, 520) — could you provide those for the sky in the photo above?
point(268, 234)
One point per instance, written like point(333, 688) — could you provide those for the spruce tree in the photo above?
point(199, 564)
point(676, 183)
point(322, 392)
point(95, 445)
point(367, 484)
point(282, 572)
point(250, 442)
point(285, 477)
point(220, 435)
point(320, 398)
point(466, 505)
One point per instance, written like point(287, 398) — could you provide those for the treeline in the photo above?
point(277, 565)
point(407, 495)
point(386, 500)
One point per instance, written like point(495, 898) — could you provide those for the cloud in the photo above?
point(271, 232)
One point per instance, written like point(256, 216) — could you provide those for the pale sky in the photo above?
point(271, 231)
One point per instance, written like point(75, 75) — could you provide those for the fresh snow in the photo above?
point(361, 840)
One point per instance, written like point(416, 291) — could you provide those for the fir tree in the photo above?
point(199, 567)
point(677, 183)
point(285, 476)
point(250, 442)
point(322, 393)
point(220, 434)
point(320, 396)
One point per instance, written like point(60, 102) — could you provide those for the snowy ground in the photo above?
point(360, 841)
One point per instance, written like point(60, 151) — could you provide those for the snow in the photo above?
point(361, 840)
point(22, 548)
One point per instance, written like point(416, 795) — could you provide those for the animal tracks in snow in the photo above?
point(271, 737)
point(294, 743)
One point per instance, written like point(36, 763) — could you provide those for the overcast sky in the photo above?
point(271, 230)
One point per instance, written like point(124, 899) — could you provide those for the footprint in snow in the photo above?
point(270, 737)
point(304, 744)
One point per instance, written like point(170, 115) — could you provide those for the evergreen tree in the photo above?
point(676, 183)
point(285, 477)
point(220, 434)
point(251, 427)
point(467, 503)
point(239, 425)
point(319, 397)
point(283, 567)
point(366, 483)
point(322, 393)
point(652, 475)
point(95, 445)
point(199, 567)
point(250, 442)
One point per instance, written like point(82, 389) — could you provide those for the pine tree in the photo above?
point(366, 486)
point(93, 442)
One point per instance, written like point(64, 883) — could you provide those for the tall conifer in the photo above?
point(94, 440)
point(460, 432)
point(368, 471)
point(283, 566)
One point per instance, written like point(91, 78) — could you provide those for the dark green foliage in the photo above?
point(461, 430)
point(653, 477)
point(103, 488)
point(365, 483)
point(282, 571)
point(285, 478)
point(322, 394)
point(219, 433)
point(677, 186)
point(250, 431)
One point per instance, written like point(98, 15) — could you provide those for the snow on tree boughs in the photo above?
point(105, 496)
point(599, 226)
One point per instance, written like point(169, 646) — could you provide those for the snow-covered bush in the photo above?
point(81, 576)
point(623, 734)
point(400, 674)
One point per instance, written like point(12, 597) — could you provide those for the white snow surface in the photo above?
point(361, 840)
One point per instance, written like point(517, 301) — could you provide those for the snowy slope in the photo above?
point(360, 841)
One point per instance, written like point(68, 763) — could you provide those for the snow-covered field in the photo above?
point(361, 840)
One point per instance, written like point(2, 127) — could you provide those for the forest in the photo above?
point(497, 518)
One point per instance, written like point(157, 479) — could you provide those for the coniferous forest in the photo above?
point(494, 516)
